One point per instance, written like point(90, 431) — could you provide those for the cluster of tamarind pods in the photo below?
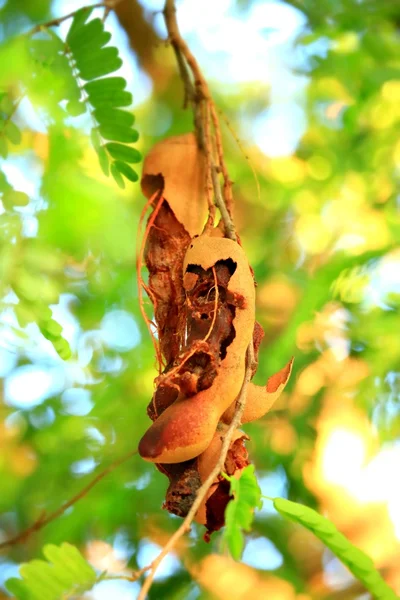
point(203, 294)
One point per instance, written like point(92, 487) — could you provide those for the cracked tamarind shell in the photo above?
point(185, 429)
point(259, 399)
point(176, 166)
point(206, 463)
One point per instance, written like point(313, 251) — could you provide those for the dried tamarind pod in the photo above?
point(185, 429)
point(212, 510)
point(186, 478)
point(176, 166)
point(260, 398)
point(164, 252)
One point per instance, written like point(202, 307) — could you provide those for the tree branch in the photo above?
point(107, 4)
point(199, 94)
point(42, 521)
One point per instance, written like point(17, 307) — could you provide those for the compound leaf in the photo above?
point(359, 563)
point(66, 574)
point(239, 512)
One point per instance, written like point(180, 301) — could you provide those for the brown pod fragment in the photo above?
point(261, 398)
point(212, 510)
point(177, 167)
point(165, 249)
point(186, 428)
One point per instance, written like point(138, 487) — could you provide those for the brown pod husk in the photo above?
point(260, 399)
point(176, 166)
point(165, 249)
point(185, 428)
point(203, 338)
point(212, 510)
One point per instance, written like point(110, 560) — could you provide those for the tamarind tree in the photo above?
point(199, 254)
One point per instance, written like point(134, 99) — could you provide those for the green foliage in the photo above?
point(351, 283)
point(77, 71)
point(33, 280)
point(239, 513)
point(53, 72)
point(90, 60)
point(355, 559)
point(66, 574)
point(9, 131)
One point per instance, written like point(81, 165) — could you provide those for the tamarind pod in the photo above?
point(261, 398)
point(207, 461)
point(201, 515)
point(186, 428)
point(182, 431)
point(176, 165)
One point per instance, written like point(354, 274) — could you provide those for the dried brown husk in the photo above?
point(176, 166)
point(203, 295)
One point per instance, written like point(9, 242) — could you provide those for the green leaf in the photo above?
point(103, 160)
point(95, 139)
point(26, 285)
point(87, 35)
point(12, 132)
point(79, 20)
point(126, 170)
point(69, 556)
point(18, 589)
point(117, 176)
point(359, 563)
point(45, 50)
point(62, 347)
point(3, 147)
point(42, 312)
point(24, 313)
point(112, 99)
point(7, 104)
point(51, 328)
point(97, 43)
point(109, 116)
point(42, 259)
point(118, 133)
point(65, 574)
point(123, 153)
point(76, 108)
point(98, 64)
point(13, 198)
point(239, 512)
point(4, 185)
point(105, 86)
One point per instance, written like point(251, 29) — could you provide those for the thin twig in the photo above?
point(107, 4)
point(242, 150)
point(134, 577)
point(139, 260)
point(179, 43)
point(220, 153)
point(219, 201)
point(201, 94)
point(202, 491)
point(208, 180)
point(42, 521)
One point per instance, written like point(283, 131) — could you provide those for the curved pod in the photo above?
point(186, 428)
point(259, 399)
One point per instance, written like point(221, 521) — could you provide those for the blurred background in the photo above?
point(311, 89)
